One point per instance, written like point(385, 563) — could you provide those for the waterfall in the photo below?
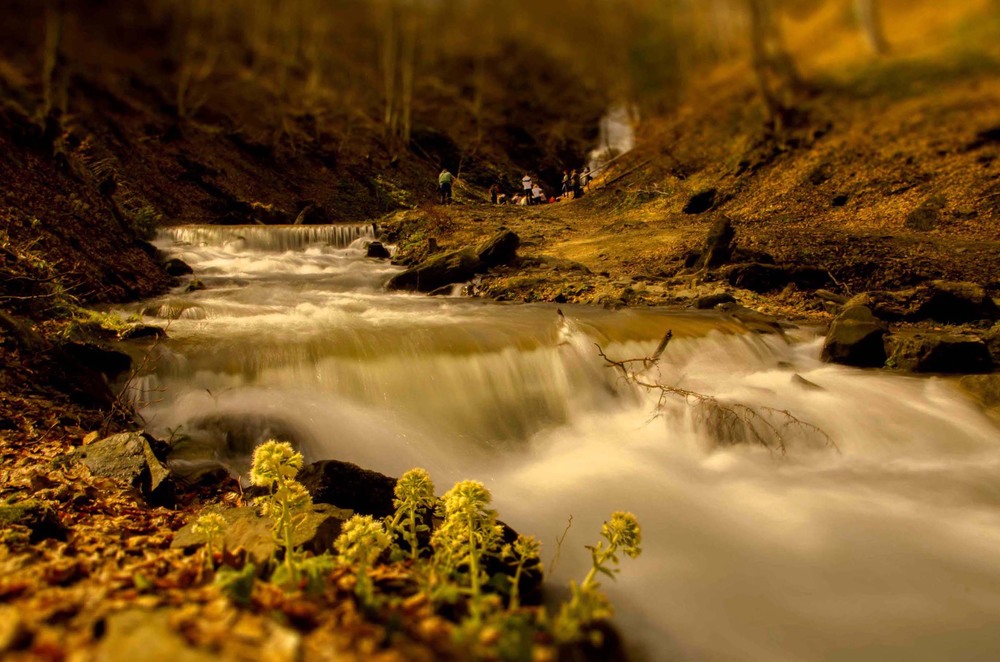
point(269, 238)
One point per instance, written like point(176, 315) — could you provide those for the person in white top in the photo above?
point(526, 185)
point(537, 197)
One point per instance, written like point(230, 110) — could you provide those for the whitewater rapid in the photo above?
point(877, 539)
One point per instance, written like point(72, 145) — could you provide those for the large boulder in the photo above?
point(246, 529)
point(445, 269)
point(947, 302)
point(129, 457)
point(347, 485)
point(956, 303)
point(856, 338)
point(938, 352)
point(499, 249)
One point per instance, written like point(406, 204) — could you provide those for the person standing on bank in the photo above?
point(444, 186)
point(526, 185)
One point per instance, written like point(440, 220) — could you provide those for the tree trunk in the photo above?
point(54, 90)
point(870, 18)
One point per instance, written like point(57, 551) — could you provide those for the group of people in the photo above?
point(573, 184)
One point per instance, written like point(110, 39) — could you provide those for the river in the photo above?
point(882, 543)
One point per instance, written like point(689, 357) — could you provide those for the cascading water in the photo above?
point(883, 545)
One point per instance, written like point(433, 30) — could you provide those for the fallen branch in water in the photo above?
point(733, 423)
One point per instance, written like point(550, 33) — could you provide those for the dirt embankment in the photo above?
point(888, 178)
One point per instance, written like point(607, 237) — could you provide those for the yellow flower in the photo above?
point(624, 533)
point(273, 460)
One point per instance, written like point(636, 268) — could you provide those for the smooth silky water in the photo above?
point(884, 544)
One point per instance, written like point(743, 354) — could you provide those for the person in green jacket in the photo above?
point(444, 186)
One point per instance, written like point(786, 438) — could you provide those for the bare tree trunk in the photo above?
point(408, 66)
point(777, 77)
point(54, 91)
point(870, 17)
point(390, 60)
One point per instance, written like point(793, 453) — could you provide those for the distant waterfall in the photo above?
point(270, 237)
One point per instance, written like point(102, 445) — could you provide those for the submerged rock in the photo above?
point(855, 338)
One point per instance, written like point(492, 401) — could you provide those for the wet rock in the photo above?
point(377, 250)
point(137, 634)
point(499, 249)
point(445, 269)
point(246, 529)
point(347, 485)
point(856, 338)
point(176, 268)
point(129, 457)
point(195, 285)
point(38, 517)
point(700, 202)
point(710, 301)
point(985, 390)
point(108, 362)
point(938, 352)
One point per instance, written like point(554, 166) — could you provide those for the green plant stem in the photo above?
point(413, 533)
point(515, 598)
point(474, 571)
point(287, 530)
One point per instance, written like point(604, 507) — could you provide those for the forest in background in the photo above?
point(486, 89)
